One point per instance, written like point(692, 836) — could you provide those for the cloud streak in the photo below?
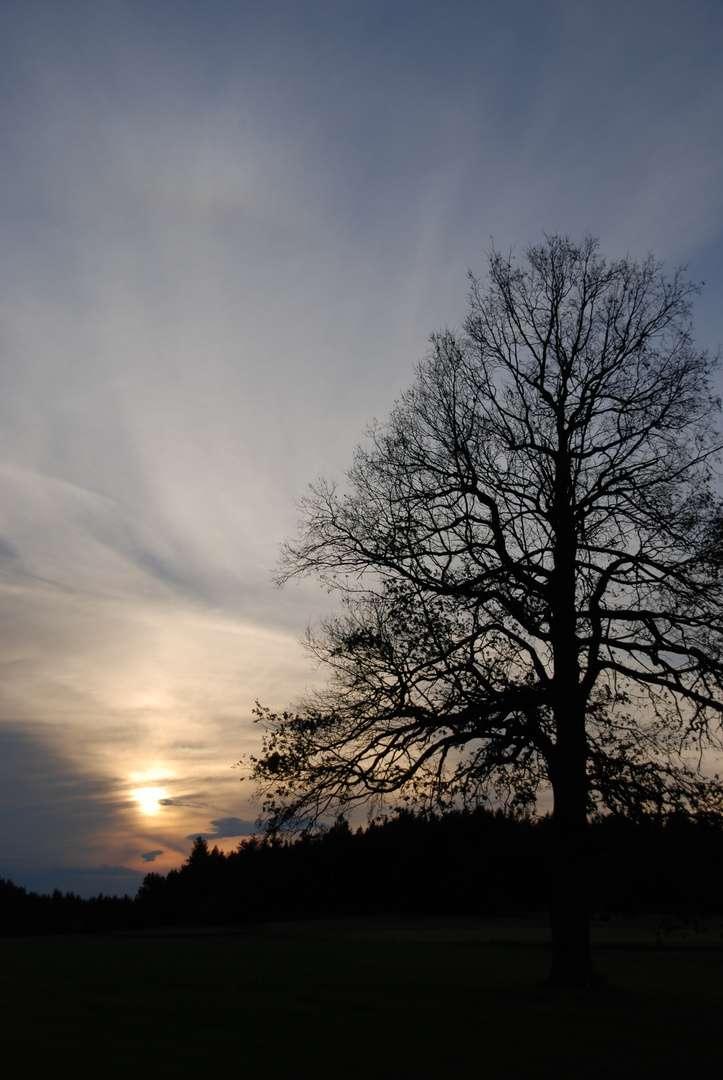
point(227, 827)
point(151, 856)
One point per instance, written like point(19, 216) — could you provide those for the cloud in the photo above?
point(7, 551)
point(150, 856)
point(183, 800)
point(47, 798)
point(226, 827)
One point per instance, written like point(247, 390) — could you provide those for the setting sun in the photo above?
point(149, 798)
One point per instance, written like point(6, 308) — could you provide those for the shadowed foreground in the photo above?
point(353, 1004)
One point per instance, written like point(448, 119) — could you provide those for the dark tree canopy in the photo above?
point(528, 556)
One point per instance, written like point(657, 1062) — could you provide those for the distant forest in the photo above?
point(475, 862)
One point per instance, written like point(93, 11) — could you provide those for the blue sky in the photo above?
point(228, 229)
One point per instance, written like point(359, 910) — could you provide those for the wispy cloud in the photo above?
point(227, 827)
point(151, 856)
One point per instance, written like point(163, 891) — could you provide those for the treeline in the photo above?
point(23, 912)
point(460, 863)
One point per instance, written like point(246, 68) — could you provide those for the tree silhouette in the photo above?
point(528, 556)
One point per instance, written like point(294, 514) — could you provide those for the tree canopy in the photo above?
point(528, 556)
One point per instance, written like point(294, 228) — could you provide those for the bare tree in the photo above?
point(528, 557)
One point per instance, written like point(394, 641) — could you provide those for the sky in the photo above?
point(228, 229)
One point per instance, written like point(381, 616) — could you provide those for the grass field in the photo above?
point(350, 1005)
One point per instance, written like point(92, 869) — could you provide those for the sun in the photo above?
point(149, 798)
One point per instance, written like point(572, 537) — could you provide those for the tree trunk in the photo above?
point(569, 913)
point(569, 917)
